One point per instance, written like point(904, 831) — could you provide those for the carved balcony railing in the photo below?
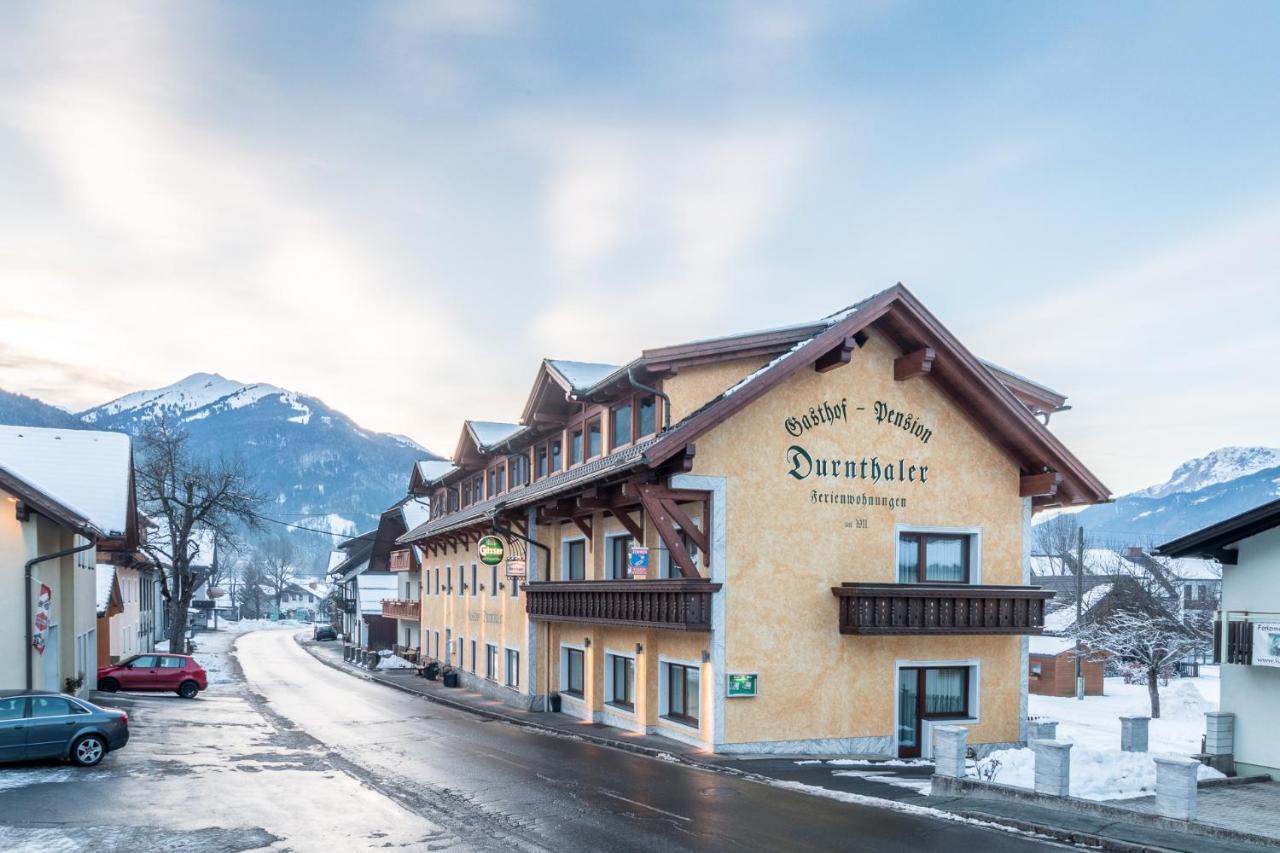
point(680, 604)
point(908, 608)
point(400, 608)
point(401, 560)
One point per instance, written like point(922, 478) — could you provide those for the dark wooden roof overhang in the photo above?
point(763, 344)
point(1216, 541)
point(929, 350)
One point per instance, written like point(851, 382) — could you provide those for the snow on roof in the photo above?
point(335, 558)
point(1041, 644)
point(202, 540)
point(489, 433)
point(1060, 620)
point(105, 575)
point(1193, 568)
point(372, 589)
point(87, 470)
point(582, 375)
point(415, 512)
point(430, 469)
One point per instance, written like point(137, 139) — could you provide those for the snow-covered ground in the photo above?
point(1099, 770)
point(1095, 722)
point(213, 648)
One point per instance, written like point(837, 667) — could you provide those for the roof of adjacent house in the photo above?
point(89, 471)
point(582, 376)
point(1044, 644)
point(1214, 539)
point(372, 588)
point(105, 578)
point(202, 540)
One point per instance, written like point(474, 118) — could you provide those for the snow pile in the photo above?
point(1096, 774)
point(395, 662)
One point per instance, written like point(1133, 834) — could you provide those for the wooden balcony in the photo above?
point(682, 604)
point(400, 560)
point(401, 608)
point(905, 608)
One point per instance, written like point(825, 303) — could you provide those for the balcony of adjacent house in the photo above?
point(401, 608)
point(926, 608)
point(400, 560)
point(679, 604)
point(1247, 638)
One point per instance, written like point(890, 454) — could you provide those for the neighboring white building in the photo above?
point(1248, 631)
point(66, 504)
point(360, 594)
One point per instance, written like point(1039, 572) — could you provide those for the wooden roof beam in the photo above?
point(913, 364)
point(841, 354)
point(1039, 485)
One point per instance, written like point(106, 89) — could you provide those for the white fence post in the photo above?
point(1053, 767)
point(949, 749)
point(1133, 733)
point(1176, 787)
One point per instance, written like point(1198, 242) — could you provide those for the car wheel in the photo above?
point(188, 689)
point(108, 685)
point(88, 750)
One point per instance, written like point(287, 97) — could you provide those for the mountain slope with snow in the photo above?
point(1200, 492)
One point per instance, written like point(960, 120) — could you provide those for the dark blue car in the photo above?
point(43, 724)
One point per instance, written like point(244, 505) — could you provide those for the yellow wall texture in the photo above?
point(785, 551)
point(693, 386)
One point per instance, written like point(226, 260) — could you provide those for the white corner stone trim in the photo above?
point(1219, 732)
point(949, 749)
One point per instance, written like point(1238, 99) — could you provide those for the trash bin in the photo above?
point(553, 702)
point(431, 671)
point(451, 679)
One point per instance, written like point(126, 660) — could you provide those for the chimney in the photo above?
point(1133, 552)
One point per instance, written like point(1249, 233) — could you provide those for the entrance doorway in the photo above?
point(929, 693)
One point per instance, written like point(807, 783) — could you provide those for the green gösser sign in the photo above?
point(743, 684)
point(490, 550)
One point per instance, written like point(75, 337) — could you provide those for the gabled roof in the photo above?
point(88, 471)
point(1219, 540)
point(580, 376)
point(426, 472)
point(110, 601)
point(898, 316)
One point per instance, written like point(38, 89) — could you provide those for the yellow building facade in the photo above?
point(809, 540)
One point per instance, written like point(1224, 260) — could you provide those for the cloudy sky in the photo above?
point(400, 207)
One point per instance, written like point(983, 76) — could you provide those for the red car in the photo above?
point(159, 671)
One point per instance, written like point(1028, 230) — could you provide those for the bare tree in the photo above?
point(184, 496)
point(1153, 642)
point(275, 560)
point(1057, 538)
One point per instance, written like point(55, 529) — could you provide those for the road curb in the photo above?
point(635, 748)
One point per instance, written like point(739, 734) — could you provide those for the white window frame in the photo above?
point(564, 556)
point(664, 700)
point(609, 572)
point(926, 726)
point(608, 681)
point(564, 669)
point(506, 667)
point(975, 547)
point(492, 675)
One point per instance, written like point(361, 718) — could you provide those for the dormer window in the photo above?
point(542, 469)
point(595, 439)
point(620, 424)
point(576, 447)
point(646, 416)
point(556, 452)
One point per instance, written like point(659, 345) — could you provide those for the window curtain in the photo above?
point(944, 691)
point(945, 558)
point(908, 559)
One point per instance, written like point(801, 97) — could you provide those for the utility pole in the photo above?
point(1079, 610)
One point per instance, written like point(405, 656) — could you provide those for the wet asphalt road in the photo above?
point(303, 757)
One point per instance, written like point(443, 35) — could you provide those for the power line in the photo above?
point(303, 527)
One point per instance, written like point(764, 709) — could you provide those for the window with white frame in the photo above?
point(574, 559)
point(936, 556)
point(491, 661)
point(513, 668)
point(572, 671)
point(621, 688)
point(617, 556)
point(682, 692)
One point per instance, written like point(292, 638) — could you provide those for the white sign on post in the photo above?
point(1266, 644)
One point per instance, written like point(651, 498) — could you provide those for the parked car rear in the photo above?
point(159, 671)
point(324, 632)
point(42, 724)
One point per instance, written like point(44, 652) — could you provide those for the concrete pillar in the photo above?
point(1133, 734)
point(1176, 787)
point(1219, 731)
point(1053, 767)
point(1042, 730)
point(949, 748)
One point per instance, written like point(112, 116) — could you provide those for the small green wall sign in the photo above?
point(490, 550)
point(743, 684)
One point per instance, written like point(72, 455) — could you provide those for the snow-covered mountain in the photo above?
point(1201, 491)
point(319, 467)
point(1220, 466)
